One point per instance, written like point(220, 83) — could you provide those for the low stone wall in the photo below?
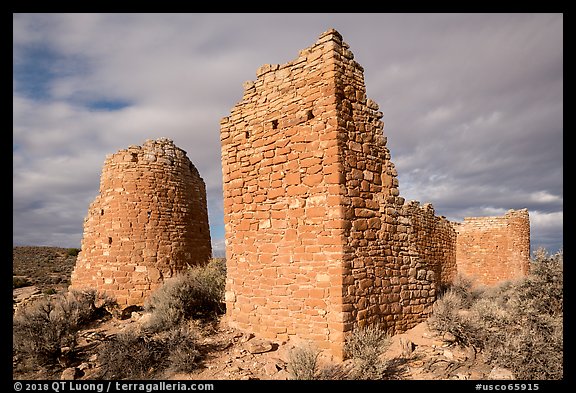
point(494, 249)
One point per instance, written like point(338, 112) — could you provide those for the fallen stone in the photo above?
point(259, 345)
point(449, 337)
point(71, 373)
point(244, 337)
point(270, 368)
point(282, 375)
point(24, 293)
point(501, 373)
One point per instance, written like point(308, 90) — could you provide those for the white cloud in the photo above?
point(544, 197)
point(472, 103)
point(543, 220)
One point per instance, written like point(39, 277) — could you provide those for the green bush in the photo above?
point(72, 252)
point(517, 325)
point(197, 293)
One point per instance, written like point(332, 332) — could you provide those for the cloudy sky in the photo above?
point(473, 105)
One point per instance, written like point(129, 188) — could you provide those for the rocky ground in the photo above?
point(38, 271)
point(418, 354)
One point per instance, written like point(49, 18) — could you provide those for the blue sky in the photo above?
point(473, 105)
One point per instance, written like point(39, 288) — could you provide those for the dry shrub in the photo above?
point(466, 290)
point(517, 325)
point(365, 346)
point(303, 363)
point(183, 355)
point(19, 282)
point(526, 321)
point(43, 328)
point(450, 315)
point(198, 292)
point(130, 355)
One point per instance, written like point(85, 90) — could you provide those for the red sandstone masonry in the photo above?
point(319, 241)
point(149, 221)
point(494, 249)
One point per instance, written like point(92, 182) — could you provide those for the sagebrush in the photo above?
point(133, 355)
point(198, 292)
point(43, 329)
point(365, 346)
point(303, 363)
point(517, 325)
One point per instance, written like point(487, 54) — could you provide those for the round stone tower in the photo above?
point(149, 221)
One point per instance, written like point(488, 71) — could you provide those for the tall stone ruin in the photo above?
point(149, 221)
point(319, 241)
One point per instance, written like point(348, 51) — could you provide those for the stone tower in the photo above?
point(319, 241)
point(149, 221)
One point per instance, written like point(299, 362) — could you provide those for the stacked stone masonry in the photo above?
point(494, 249)
point(149, 221)
point(319, 241)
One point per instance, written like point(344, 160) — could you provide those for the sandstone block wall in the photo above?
point(149, 221)
point(494, 249)
point(284, 227)
point(318, 239)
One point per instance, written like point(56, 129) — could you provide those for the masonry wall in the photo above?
point(494, 249)
point(319, 241)
point(149, 221)
point(396, 254)
point(282, 191)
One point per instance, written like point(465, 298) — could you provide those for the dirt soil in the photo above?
point(228, 354)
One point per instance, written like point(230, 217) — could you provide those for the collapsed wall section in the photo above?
point(148, 222)
point(431, 239)
point(494, 249)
